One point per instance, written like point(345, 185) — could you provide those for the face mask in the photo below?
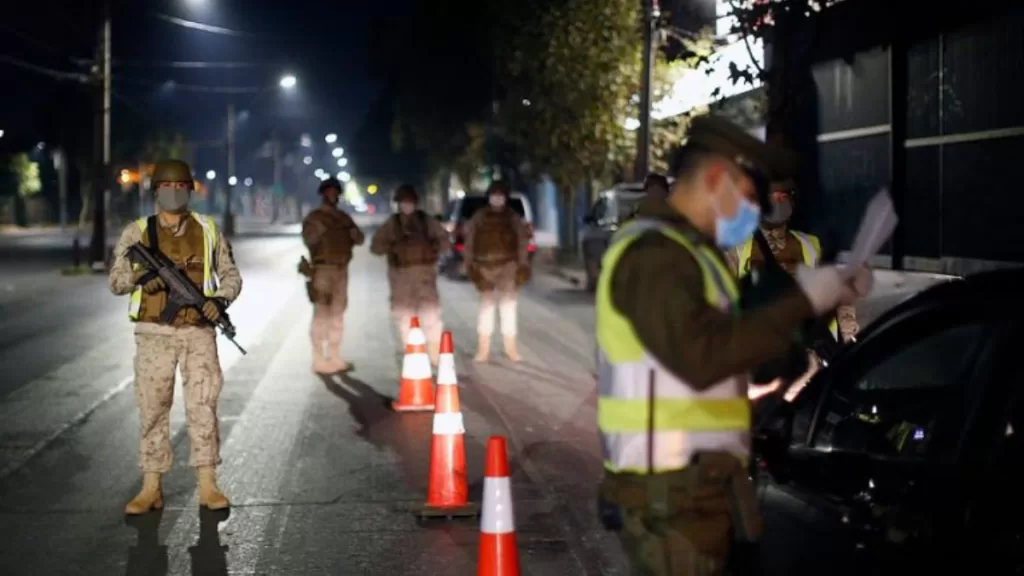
point(497, 200)
point(731, 232)
point(781, 213)
point(407, 208)
point(171, 199)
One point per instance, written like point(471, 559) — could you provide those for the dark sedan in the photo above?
point(898, 458)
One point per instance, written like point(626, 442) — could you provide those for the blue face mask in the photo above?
point(731, 232)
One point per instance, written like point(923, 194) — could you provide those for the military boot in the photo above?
point(483, 348)
point(209, 494)
point(511, 350)
point(149, 498)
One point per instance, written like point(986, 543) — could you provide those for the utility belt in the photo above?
point(713, 482)
point(498, 260)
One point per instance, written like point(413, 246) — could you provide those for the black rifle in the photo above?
point(183, 293)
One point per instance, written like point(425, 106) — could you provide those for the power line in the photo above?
point(199, 26)
point(55, 74)
point(171, 85)
point(190, 64)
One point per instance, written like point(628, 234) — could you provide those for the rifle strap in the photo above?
point(151, 224)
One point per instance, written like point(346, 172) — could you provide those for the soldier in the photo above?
point(674, 352)
point(330, 234)
point(791, 249)
point(193, 242)
point(413, 242)
point(497, 262)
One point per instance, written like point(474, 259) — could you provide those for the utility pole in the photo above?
point(229, 216)
point(643, 133)
point(278, 194)
point(61, 163)
point(100, 191)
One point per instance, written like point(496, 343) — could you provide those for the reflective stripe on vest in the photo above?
point(810, 248)
point(685, 421)
point(209, 249)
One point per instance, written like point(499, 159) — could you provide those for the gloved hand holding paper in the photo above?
point(876, 227)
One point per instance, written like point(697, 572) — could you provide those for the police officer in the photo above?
point(330, 235)
point(193, 242)
point(498, 263)
point(674, 353)
point(790, 248)
point(656, 191)
point(412, 242)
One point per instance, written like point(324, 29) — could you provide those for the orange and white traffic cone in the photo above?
point(498, 554)
point(416, 390)
point(447, 491)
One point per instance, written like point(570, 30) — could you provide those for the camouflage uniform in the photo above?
point(496, 255)
point(188, 344)
point(330, 234)
point(412, 244)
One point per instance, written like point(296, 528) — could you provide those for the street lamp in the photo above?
point(288, 82)
point(331, 138)
point(307, 160)
point(342, 162)
point(211, 175)
point(232, 181)
point(338, 152)
point(344, 176)
point(248, 182)
point(1, 133)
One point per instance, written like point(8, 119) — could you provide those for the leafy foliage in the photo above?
point(571, 69)
point(26, 175)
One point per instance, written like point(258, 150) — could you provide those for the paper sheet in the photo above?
point(876, 227)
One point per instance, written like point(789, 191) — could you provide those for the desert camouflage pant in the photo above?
point(414, 293)
point(193, 351)
point(498, 290)
point(331, 286)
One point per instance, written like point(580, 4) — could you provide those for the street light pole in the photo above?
point(229, 217)
point(101, 186)
point(643, 133)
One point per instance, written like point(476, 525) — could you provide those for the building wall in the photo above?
point(964, 139)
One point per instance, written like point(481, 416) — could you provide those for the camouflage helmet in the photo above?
point(330, 183)
point(499, 187)
point(171, 171)
point(406, 193)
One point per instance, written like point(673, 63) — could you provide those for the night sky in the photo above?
point(323, 43)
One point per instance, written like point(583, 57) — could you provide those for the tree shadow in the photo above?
point(148, 557)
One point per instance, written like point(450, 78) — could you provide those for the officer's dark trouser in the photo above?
point(684, 523)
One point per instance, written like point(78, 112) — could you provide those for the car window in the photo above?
point(892, 409)
point(470, 204)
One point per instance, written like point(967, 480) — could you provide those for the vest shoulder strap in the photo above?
point(151, 232)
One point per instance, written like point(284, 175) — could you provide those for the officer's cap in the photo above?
point(762, 161)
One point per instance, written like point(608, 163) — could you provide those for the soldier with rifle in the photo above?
point(675, 350)
point(181, 274)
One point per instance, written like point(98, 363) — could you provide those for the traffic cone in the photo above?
point(447, 492)
point(416, 390)
point(498, 554)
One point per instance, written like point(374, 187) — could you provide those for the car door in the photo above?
point(864, 430)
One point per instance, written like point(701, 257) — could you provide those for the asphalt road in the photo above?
point(321, 475)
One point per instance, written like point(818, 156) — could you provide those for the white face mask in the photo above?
point(406, 208)
point(497, 200)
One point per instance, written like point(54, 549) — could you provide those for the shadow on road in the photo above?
point(209, 556)
point(407, 435)
point(148, 557)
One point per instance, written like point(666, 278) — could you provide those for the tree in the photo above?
point(27, 183)
point(571, 72)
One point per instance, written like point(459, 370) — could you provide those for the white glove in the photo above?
point(825, 288)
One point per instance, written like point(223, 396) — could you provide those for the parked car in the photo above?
point(901, 456)
point(459, 212)
point(604, 218)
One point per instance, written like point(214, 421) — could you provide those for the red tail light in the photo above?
point(458, 247)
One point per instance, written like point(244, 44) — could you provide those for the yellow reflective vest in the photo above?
point(209, 250)
point(810, 248)
point(684, 420)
